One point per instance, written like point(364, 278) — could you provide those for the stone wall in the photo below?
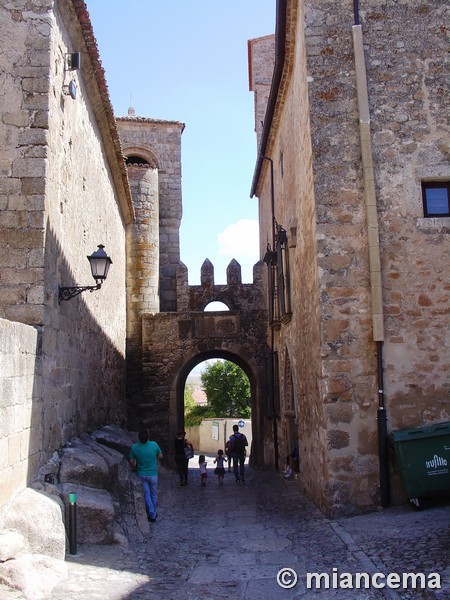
point(159, 142)
point(19, 389)
point(406, 82)
point(153, 151)
point(173, 343)
point(25, 81)
point(297, 342)
point(261, 57)
point(64, 190)
point(315, 147)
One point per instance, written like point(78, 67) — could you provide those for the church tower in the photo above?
point(152, 149)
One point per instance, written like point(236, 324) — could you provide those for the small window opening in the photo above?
point(137, 160)
point(436, 198)
point(216, 307)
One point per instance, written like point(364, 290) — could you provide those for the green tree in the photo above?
point(193, 413)
point(189, 402)
point(227, 389)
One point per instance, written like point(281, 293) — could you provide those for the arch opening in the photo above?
point(216, 306)
point(207, 426)
point(136, 161)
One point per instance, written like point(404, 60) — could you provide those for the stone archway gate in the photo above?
point(174, 342)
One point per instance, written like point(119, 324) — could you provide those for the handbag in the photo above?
point(188, 452)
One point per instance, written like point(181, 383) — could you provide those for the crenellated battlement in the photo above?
point(235, 294)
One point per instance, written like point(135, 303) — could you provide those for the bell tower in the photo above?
point(152, 150)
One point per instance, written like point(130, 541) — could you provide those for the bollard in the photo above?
point(72, 523)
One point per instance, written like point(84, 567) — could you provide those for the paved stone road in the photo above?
point(231, 541)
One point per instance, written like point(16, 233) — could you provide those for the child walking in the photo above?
point(220, 469)
point(202, 465)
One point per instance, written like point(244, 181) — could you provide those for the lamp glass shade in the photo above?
point(100, 263)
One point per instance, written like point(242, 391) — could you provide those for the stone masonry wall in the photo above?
point(162, 140)
point(406, 82)
point(295, 211)
point(174, 342)
point(261, 61)
point(86, 335)
point(24, 86)
point(319, 200)
point(19, 388)
point(62, 194)
point(142, 267)
point(408, 91)
point(153, 239)
point(348, 383)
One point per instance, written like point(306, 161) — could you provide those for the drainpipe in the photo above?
point(374, 249)
point(272, 336)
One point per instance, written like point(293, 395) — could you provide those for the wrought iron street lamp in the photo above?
point(100, 263)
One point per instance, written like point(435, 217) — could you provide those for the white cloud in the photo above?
point(241, 239)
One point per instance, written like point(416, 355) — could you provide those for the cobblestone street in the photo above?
point(231, 541)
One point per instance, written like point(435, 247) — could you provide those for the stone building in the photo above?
point(73, 177)
point(352, 178)
point(351, 325)
point(63, 191)
point(153, 156)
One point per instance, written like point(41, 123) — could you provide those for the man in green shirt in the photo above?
point(143, 458)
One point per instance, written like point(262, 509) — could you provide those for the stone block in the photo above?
point(95, 513)
point(35, 136)
point(38, 517)
point(80, 464)
point(36, 85)
point(10, 185)
point(338, 439)
point(20, 118)
point(29, 167)
point(36, 295)
point(5, 168)
point(28, 314)
point(34, 575)
point(12, 545)
point(14, 442)
point(32, 185)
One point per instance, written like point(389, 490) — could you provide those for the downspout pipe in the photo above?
point(374, 250)
point(356, 11)
point(272, 338)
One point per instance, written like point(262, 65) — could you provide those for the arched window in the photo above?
point(137, 161)
point(216, 307)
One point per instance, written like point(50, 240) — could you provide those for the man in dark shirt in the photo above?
point(238, 445)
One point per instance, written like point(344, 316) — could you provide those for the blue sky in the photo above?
point(186, 60)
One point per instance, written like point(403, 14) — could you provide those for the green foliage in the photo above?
point(227, 389)
point(189, 402)
point(195, 415)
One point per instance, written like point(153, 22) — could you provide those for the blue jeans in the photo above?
point(150, 483)
point(238, 466)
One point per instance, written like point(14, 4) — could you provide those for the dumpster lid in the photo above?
point(402, 435)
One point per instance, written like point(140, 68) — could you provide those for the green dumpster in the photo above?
point(423, 458)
